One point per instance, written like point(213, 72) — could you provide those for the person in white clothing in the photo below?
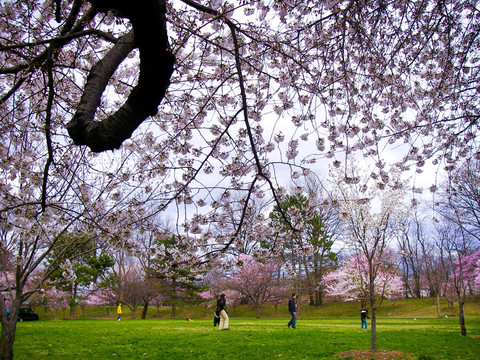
point(222, 309)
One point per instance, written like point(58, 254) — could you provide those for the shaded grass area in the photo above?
point(247, 339)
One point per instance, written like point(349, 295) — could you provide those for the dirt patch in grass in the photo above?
point(375, 355)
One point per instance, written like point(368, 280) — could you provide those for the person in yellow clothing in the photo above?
point(119, 311)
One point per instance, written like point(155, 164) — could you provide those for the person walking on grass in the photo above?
point(364, 317)
point(119, 311)
point(222, 309)
point(216, 318)
point(292, 309)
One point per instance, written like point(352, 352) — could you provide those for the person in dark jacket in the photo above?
point(292, 309)
point(222, 310)
point(364, 317)
point(216, 318)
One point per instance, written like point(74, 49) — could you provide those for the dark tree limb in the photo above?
point(48, 121)
point(156, 67)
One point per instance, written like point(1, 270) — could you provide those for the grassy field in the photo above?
point(324, 332)
point(423, 339)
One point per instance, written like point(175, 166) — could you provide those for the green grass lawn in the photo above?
point(425, 339)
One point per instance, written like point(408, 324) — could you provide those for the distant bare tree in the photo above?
point(456, 245)
point(460, 197)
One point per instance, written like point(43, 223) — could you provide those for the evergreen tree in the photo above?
point(179, 281)
point(307, 243)
point(80, 267)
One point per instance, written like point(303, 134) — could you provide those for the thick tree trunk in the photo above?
point(461, 318)
point(257, 311)
point(9, 326)
point(144, 311)
point(72, 301)
point(439, 314)
point(7, 339)
point(156, 67)
point(318, 298)
point(374, 329)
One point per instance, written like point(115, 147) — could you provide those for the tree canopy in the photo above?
point(213, 105)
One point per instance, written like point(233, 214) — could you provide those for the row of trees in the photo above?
point(348, 242)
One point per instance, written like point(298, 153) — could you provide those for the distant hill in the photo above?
point(424, 307)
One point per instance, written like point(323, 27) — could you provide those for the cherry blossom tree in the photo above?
point(471, 271)
point(372, 215)
point(48, 187)
point(100, 296)
point(350, 282)
point(450, 294)
point(207, 297)
point(30, 235)
point(256, 281)
point(259, 89)
point(477, 276)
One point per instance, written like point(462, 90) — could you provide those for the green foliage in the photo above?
point(87, 265)
point(312, 224)
point(248, 339)
point(178, 281)
point(309, 243)
point(279, 213)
